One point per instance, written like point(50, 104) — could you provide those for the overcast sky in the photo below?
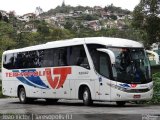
point(26, 6)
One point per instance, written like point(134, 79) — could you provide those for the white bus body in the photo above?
point(81, 68)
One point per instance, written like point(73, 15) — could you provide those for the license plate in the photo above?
point(137, 96)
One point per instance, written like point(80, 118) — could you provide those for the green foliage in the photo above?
point(113, 9)
point(153, 29)
point(156, 95)
point(7, 40)
point(113, 17)
point(43, 28)
point(145, 17)
point(58, 34)
point(68, 24)
point(90, 17)
point(1, 95)
point(138, 18)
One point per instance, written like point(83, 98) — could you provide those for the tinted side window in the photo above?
point(94, 54)
point(8, 61)
point(32, 61)
point(100, 60)
point(56, 57)
point(47, 58)
point(62, 59)
point(78, 56)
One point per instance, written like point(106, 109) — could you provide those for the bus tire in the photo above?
point(120, 103)
point(22, 95)
point(51, 101)
point(87, 100)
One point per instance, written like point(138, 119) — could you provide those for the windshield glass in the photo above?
point(131, 65)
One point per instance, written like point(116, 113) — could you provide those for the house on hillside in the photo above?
point(121, 16)
point(88, 12)
point(94, 25)
point(30, 27)
point(97, 8)
point(4, 13)
point(105, 15)
point(27, 17)
point(111, 24)
point(121, 24)
point(60, 17)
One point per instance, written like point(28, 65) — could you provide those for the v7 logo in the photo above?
point(57, 82)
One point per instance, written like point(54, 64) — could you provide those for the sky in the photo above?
point(27, 6)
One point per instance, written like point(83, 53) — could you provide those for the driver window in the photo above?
point(104, 65)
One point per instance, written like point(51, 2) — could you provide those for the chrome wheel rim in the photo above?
point(22, 95)
point(85, 95)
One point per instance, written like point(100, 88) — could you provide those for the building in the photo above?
point(27, 17)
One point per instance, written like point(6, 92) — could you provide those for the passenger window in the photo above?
point(48, 60)
point(19, 61)
point(56, 57)
point(78, 56)
point(62, 57)
point(8, 61)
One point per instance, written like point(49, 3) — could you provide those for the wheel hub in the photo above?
point(22, 95)
point(85, 95)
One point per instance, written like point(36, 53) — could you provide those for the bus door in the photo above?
point(103, 77)
point(102, 66)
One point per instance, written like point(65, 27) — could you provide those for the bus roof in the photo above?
point(114, 42)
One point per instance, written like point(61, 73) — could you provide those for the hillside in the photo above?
point(68, 9)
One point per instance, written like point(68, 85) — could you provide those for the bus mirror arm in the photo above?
point(110, 53)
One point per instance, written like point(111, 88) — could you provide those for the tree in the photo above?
point(145, 17)
point(138, 17)
point(114, 17)
point(59, 34)
point(0, 16)
point(68, 25)
point(43, 28)
point(5, 18)
point(7, 40)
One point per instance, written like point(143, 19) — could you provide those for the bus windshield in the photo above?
point(131, 66)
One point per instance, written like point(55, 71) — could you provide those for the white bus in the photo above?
point(89, 69)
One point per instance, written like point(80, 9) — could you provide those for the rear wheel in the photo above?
point(87, 100)
point(121, 103)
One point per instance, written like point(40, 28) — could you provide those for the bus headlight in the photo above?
point(118, 87)
point(124, 89)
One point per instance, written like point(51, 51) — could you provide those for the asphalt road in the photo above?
point(76, 110)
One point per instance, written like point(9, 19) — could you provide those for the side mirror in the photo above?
point(110, 53)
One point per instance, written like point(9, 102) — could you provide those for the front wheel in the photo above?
point(121, 103)
point(22, 95)
point(87, 100)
